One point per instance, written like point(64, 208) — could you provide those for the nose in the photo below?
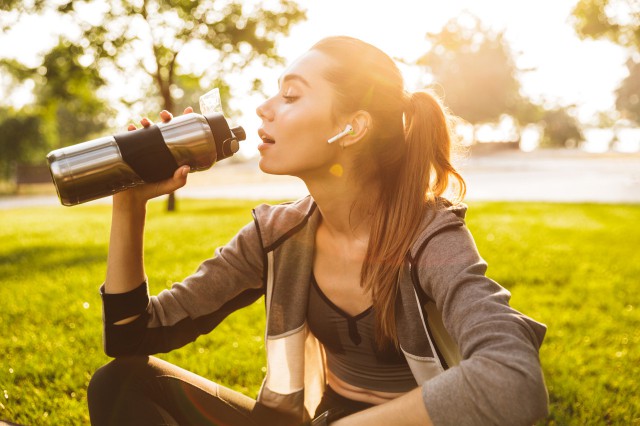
point(264, 111)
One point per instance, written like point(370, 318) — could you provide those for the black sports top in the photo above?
point(352, 353)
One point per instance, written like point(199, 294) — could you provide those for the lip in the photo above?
point(264, 136)
point(264, 146)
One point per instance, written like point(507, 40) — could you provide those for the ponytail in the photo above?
point(421, 177)
point(428, 139)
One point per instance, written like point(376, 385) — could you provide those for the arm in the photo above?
point(407, 410)
point(125, 267)
point(499, 380)
point(228, 281)
point(136, 323)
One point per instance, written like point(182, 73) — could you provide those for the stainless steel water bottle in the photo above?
point(104, 166)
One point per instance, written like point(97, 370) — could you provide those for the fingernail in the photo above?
point(185, 170)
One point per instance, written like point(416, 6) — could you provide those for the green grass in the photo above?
point(575, 267)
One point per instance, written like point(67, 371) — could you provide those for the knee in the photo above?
point(111, 377)
point(111, 388)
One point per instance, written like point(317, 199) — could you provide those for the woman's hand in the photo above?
point(139, 195)
point(405, 410)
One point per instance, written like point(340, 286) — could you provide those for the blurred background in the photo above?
point(548, 95)
point(547, 91)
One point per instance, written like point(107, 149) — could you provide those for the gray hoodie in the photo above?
point(475, 357)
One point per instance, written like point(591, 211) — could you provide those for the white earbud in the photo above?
point(347, 130)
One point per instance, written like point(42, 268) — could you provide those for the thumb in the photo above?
point(180, 176)
point(178, 180)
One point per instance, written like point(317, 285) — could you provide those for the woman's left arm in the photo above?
point(499, 380)
point(407, 410)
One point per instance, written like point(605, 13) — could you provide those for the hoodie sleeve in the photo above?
point(499, 380)
point(230, 280)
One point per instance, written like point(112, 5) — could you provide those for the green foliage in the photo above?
point(616, 20)
point(235, 36)
point(67, 98)
point(20, 140)
point(560, 129)
point(628, 94)
point(66, 110)
point(574, 267)
point(475, 69)
point(479, 79)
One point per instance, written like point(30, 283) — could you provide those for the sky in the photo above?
point(564, 69)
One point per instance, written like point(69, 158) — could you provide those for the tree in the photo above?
point(67, 96)
point(149, 35)
point(561, 129)
point(628, 94)
point(20, 140)
point(475, 68)
point(618, 21)
point(66, 109)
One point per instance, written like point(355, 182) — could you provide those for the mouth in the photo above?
point(265, 137)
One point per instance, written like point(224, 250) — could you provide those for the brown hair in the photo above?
point(409, 148)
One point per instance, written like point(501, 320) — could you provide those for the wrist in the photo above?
point(127, 201)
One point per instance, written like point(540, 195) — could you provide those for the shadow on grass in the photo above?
point(49, 257)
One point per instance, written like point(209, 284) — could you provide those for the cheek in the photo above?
point(306, 122)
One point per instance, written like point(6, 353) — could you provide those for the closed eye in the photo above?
point(289, 99)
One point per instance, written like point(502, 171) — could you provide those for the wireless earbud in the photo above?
point(347, 131)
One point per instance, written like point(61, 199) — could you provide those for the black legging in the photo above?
point(149, 391)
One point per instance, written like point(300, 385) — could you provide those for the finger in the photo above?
point(165, 115)
point(188, 110)
point(181, 172)
point(180, 177)
point(178, 180)
point(146, 122)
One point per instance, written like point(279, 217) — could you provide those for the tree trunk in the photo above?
point(165, 90)
point(171, 202)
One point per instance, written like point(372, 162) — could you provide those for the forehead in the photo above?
point(308, 69)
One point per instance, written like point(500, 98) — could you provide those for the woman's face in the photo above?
point(297, 121)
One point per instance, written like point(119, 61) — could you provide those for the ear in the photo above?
point(361, 123)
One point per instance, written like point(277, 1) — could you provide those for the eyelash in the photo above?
point(289, 99)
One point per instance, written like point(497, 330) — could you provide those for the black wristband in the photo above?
point(118, 306)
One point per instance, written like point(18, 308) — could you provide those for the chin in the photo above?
point(270, 168)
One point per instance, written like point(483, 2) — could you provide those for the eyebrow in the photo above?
point(297, 77)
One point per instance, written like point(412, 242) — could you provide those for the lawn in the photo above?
point(575, 267)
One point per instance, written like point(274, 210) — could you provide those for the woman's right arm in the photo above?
point(125, 265)
point(137, 323)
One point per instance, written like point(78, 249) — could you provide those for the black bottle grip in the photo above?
point(145, 151)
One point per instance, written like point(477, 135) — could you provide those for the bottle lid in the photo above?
point(239, 133)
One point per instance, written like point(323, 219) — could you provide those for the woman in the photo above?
point(378, 310)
